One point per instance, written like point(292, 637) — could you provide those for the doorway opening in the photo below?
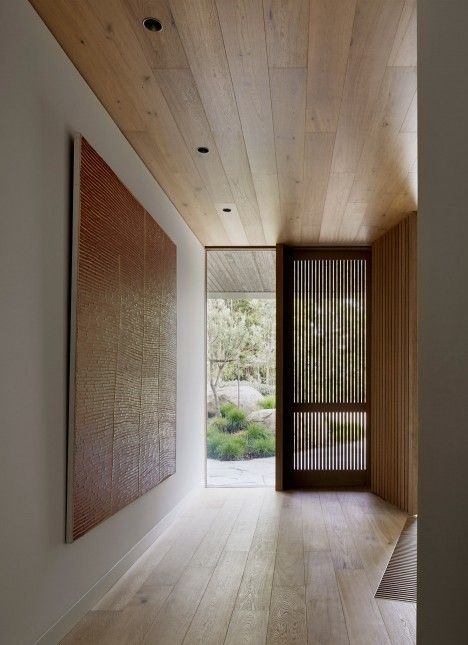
point(241, 367)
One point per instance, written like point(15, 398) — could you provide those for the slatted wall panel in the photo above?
point(326, 358)
point(394, 368)
point(330, 441)
point(330, 331)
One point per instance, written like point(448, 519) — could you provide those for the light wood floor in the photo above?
point(245, 566)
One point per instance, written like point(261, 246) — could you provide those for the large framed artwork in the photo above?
point(123, 379)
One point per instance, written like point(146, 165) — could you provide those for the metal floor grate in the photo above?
point(399, 580)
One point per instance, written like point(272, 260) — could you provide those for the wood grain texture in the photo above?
point(363, 618)
point(394, 366)
point(240, 272)
point(325, 618)
point(123, 367)
point(248, 592)
point(290, 96)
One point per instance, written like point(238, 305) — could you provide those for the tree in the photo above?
point(240, 340)
point(227, 332)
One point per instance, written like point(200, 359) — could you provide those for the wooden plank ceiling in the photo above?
point(238, 271)
point(308, 108)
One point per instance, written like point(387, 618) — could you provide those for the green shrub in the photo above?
point(260, 441)
point(342, 430)
point(233, 448)
point(269, 402)
point(225, 446)
point(219, 423)
point(257, 431)
point(263, 448)
point(236, 420)
point(255, 440)
point(226, 408)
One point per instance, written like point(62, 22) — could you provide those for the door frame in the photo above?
point(282, 375)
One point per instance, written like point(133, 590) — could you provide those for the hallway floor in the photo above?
point(248, 472)
point(251, 565)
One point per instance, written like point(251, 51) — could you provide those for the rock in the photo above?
point(249, 398)
point(267, 417)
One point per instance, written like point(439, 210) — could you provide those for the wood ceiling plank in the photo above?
point(231, 275)
point(241, 270)
point(318, 157)
point(244, 38)
point(222, 277)
point(286, 27)
point(121, 45)
point(200, 32)
point(183, 101)
point(275, 91)
point(376, 213)
point(266, 263)
point(381, 164)
point(374, 30)
point(180, 92)
point(288, 96)
point(166, 49)
point(392, 177)
point(167, 128)
point(252, 272)
point(339, 188)
point(352, 221)
point(368, 234)
point(232, 224)
point(330, 28)
point(214, 271)
point(267, 190)
point(244, 268)
point(82, 40)
point(145, 116)
point(185, 185)
point(404, 47)
point(198, 219)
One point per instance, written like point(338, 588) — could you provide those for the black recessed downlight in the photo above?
point(203, 150)
point(226, 210)
point(152, 24)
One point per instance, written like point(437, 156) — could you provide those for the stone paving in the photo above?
point(252, 472)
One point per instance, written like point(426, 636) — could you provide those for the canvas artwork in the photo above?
point(122, 421)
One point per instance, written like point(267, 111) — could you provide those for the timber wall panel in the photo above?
point(394, 367)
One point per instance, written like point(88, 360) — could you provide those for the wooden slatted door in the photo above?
point(325, 407)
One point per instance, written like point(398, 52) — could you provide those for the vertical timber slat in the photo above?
point(394, 368)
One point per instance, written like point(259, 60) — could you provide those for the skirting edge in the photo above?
point(69, 619)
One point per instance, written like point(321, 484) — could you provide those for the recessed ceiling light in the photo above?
point(227, 210)
point(203, 150)
point(152, 24)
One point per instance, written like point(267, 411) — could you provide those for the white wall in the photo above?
point(443, 280)
point(43, 101)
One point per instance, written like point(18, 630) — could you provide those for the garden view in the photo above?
point(241, 391)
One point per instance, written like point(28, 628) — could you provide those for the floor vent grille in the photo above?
point(399, 580)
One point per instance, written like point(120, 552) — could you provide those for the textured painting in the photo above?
point(122, 424)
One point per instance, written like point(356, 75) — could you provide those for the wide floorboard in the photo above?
point(253, 566)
